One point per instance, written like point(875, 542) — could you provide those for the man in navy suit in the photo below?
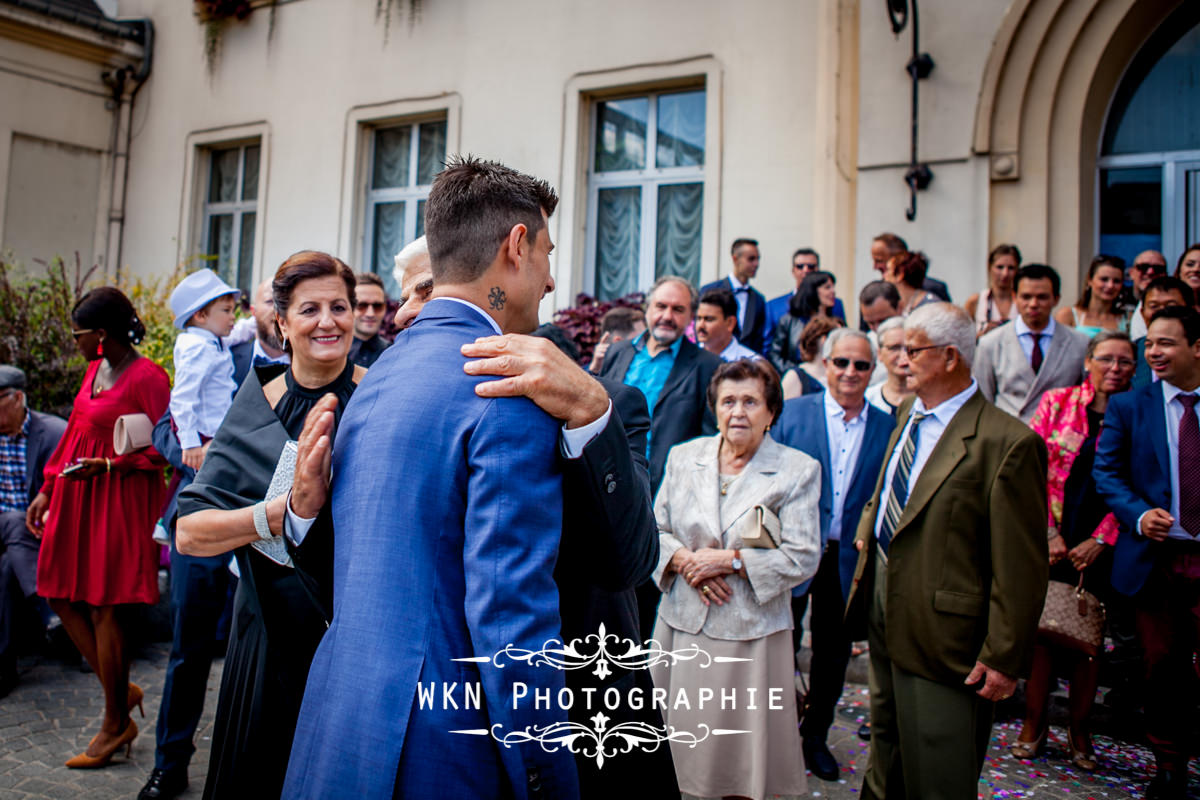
point(1147, 469)
point(448, 508)
point(804, 262)
point(848, 436)
point(752, 306)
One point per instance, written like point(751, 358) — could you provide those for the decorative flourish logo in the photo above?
point(601, 651)
point(599, 741)
point(575, 655)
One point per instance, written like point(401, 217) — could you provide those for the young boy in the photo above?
point(203, 306)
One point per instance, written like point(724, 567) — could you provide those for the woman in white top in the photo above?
point(888, 395)
point(995, 305)
point(1097, 307)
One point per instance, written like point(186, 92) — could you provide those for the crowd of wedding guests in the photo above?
point(982, 494)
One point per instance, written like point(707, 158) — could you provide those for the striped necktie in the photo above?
point(898, 495)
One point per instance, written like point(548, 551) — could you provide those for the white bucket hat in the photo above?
point(195, 292)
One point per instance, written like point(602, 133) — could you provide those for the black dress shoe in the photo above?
point(864, 731)
point(819, 760)
point(1167, 785)
point(164, 784)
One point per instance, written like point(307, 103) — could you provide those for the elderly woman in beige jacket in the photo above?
point(726, 611)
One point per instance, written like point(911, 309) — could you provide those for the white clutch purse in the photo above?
point(132, 432)
point(758, 528)
point(285, 469)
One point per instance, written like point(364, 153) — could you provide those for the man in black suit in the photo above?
point(673, 374)
point(886, 245)
point(27, 438)
point(752, 306)
point(610, 538)
point(200, 587)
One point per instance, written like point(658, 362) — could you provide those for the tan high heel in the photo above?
point(135, 699)
point(1027, 750)
point(84, 761)
point(1079, 758)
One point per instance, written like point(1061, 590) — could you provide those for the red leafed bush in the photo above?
point(582, 320)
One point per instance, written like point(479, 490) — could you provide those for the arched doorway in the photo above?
point(1148, 173)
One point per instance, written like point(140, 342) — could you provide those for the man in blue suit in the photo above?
point(848, 436)
point(448, 511)
point(1147, 469)
point(752, 306)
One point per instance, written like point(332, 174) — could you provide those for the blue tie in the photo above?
point(898, 495)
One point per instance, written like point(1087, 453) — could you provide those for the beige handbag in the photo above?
point(132, 432)
point(1072, 617)
point(758, 528)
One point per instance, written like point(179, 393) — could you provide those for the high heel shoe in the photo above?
point(1079, 758)
point(135, 699)
point(1027, 750)
point(84, 761)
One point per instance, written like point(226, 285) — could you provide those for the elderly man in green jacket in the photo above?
point(952, 569)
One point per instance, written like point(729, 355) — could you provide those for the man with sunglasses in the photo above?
point(848, 437)
point(369, 307)
point(1148, 265)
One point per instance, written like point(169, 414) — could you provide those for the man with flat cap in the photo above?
point(27, 438)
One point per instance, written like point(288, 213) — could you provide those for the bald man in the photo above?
point(1148, 265)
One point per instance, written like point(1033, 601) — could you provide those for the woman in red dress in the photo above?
point(96, 510)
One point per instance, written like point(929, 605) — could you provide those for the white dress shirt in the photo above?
point(204, 385)
point(845, 441)
point(1173, 413)
point(932, 428)
point(1025, 338)
point(735, 351)
point(571, 441)
point(741, 297)
point(1137, 323)
point(258, 353)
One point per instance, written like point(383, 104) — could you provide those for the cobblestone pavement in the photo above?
point(56, 709)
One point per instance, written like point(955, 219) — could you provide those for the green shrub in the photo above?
point(35, 326)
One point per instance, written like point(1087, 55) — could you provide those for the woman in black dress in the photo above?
point(284, 597)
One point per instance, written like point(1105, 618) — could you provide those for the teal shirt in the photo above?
point(650, 373)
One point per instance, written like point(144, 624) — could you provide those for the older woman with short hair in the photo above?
point(890, 393)
point(284, 598)
point(727, 599)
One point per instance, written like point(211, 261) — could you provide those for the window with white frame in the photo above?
point(230, 212)
point(645, 190)
point(402, 164)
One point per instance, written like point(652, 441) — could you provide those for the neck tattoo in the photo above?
point(497, 298)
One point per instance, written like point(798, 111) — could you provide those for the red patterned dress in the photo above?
point(96, 548)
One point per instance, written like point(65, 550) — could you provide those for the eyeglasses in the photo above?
point(1151, 268)
point(859, 366)
point(1108, 361)
point(909, 352)
point(376, 307)
point(83, 332)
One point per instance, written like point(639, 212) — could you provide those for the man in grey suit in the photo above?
point(27, 438)
point(1015, 364)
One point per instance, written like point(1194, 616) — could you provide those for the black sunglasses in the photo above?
point(376, 307)
point(842, 363)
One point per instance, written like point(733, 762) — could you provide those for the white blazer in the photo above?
point(687, 509)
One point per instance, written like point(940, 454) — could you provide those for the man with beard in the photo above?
point(200, 587)
point(674, 375)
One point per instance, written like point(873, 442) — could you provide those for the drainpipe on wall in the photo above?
point(122, 110)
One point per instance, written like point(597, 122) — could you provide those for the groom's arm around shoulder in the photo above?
point(512, 526)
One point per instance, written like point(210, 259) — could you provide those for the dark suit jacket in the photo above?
point(243, 356)
point(45, 430)
point(1133, 476)
point(682, 411)
point(968, 565)
point(609, 546)
point(752, 334)
point(939, 288)
point(804, 426)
